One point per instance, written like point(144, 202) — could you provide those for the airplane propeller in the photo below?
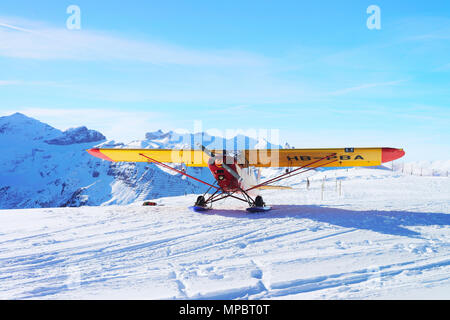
point(227, 167)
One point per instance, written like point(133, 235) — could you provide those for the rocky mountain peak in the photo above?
point(77, 135)
point(19, 126)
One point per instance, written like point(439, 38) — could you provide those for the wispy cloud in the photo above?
point(10, 82)
point(366, 86)
point(31, 83)
point(38, 41)
point(13, 27)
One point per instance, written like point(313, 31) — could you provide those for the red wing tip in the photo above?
point(391, 154)
point(98, 154)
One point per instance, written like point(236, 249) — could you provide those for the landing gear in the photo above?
point(200, 205)
point(258, 205)
point(204, 204)
point(201, 202)
point(259, 202)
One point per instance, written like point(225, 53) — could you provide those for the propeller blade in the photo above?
point(227, 167)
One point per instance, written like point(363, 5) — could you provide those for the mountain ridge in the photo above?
point(46, 167)
point(42, 166)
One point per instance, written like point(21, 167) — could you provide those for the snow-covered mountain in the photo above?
point(45, 167)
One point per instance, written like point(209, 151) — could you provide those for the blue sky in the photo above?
point(311, 69)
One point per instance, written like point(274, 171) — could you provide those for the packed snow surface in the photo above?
point(371, 234)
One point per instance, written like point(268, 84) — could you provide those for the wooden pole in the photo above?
point(340, 188)
point(323, 187)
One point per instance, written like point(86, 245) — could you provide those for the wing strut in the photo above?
point(289, 174)
point(173, 169)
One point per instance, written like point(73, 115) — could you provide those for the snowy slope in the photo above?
point(386, 236)
point(424, 168)
point(41, 166)
point(44, 167)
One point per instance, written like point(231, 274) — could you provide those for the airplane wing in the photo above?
point(191, 158)
point(338, 157)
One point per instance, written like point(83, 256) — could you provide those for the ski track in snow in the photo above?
point(386, 236)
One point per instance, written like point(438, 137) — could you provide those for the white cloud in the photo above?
point(37, 41)
point(30, 83)
point(12, 27)
point(366, 86)
point(10, 82)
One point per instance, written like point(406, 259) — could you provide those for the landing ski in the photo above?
point(259, 209)
point(199, 208)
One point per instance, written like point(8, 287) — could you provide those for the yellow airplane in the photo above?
point(234, 172)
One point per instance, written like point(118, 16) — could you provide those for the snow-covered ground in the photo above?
point(387, 235)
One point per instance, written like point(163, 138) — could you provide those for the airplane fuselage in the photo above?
point(226, 180)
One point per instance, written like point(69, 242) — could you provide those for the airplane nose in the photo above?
point(391, 154)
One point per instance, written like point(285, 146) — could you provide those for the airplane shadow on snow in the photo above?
point(386, 222)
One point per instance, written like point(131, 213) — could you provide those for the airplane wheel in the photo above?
point(201, 202)
point(259, 202)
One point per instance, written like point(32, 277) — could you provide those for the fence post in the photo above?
point(323, 187)
point(340, 188)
